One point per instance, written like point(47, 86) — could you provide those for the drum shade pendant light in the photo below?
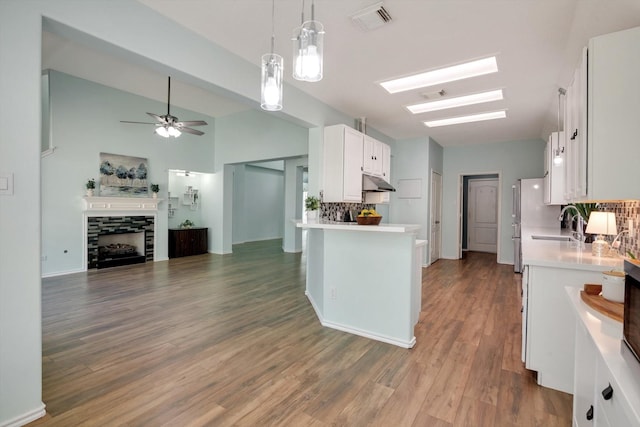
point(557, 156)
point(272, 69)
point(308, 42)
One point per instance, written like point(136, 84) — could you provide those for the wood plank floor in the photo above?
point(232, 341)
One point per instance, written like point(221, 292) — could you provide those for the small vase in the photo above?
point(89, 192)
point(312, 216)
point(154, 195)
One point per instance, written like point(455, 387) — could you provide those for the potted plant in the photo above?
point(154, 189)
point(312, 204)
point(91, 185)
point(186, 224)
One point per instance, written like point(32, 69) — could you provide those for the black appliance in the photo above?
point(631, 325)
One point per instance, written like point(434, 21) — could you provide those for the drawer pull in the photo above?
point(607, 393)
point(590, 413)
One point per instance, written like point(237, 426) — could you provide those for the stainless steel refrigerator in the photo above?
point(529, 210)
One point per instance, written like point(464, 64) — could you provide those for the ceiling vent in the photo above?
point(372, 17)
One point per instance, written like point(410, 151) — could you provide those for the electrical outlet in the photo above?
point(333, 293)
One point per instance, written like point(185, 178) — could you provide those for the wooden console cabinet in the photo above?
point(187, 241)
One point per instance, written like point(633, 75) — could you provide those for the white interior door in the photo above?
point(435, 243)
point(482, 215)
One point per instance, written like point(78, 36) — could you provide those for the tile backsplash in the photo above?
point(335, 211)
point(626, 211)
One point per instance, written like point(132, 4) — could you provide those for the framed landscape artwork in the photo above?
point(123, 176)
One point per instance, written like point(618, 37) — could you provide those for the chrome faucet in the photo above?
point(577, 235)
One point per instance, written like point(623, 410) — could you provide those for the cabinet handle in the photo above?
point(590, 413)
point(607, 393)
point(575, 134)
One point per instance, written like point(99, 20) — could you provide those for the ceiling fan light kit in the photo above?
point(168, 125)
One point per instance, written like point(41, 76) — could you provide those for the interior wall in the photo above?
point(258, 204)
point(85, 122)
point(513, 160)
point(411, 161)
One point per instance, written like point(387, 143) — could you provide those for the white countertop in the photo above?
point(353, 226)
point(607, 336)
point(561, 254)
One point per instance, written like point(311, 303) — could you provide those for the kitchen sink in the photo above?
point(557, 238)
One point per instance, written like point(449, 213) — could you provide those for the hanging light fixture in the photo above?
point(307, 48)
point(272, 69)
point(557, 157)
point(166, 131)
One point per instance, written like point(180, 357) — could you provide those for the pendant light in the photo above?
point(272, 69)
point(557, 158)
point(308, 42)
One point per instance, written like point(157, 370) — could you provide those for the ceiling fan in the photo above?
point(169, 125)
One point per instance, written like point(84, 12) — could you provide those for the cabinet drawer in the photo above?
point(613, 406)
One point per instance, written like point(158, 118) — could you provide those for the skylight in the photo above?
point(442, 104)
point(442, 75)
point(467, 119)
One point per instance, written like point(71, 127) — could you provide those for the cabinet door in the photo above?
point(580, 132)
point(353, 146)
point(614, 125)
point(569, 145)
point(368, 155)
point(584, 401)
point(551, 324)
point(372, 156)
point(386, 162)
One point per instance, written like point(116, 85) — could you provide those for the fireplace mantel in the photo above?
point(129, 204)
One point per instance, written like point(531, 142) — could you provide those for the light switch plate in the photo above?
point(6, 184)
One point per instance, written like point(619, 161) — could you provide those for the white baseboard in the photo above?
point(359, 332)
point(63, 273)
point(25, 418)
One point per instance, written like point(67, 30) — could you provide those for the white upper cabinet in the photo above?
point(603, 123)
point(576, 134)
point(614, 116)
point(376, 158)
point(342, 164)
point(554, 173)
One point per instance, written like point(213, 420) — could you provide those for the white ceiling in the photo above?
point(537, 44)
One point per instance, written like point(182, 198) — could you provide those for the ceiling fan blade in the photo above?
point(192, 123)
point(191, 131)
point(141, 123)
point(157, 117)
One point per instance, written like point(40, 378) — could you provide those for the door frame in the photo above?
point(461, 216)
point(433, 171)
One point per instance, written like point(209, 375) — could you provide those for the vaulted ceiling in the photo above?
point(537, 45)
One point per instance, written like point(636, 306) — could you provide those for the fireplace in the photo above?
point(121, 249)
point(119, 240)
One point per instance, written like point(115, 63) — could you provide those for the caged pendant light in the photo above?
point(272, 71)
point(308, 42)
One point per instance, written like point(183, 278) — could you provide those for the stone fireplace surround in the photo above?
point(114, 215)
point(103, 225)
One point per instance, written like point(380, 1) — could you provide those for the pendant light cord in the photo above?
point(273, 25)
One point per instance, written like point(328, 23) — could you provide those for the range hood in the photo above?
point(375, 183)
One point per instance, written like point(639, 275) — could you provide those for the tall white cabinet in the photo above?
point(601, 120)
point(343, 147)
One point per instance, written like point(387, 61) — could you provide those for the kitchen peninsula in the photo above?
point(365, 280)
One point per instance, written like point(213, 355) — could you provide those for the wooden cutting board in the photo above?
point(591, 296)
